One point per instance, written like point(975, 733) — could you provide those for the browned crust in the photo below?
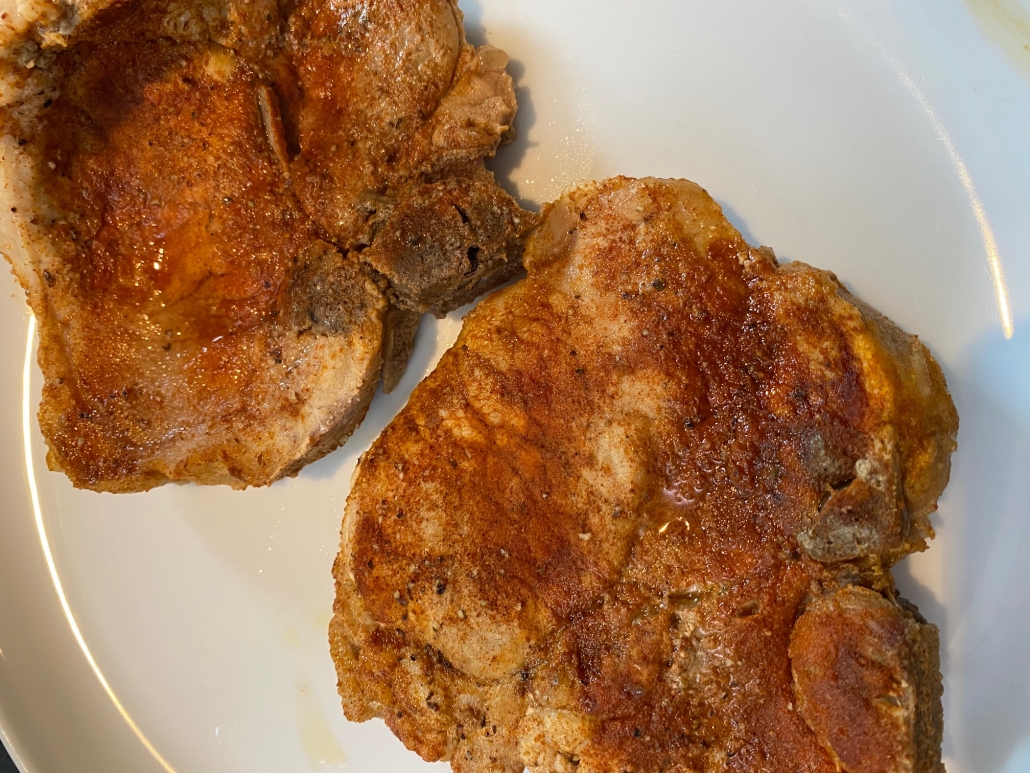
point(867, 679)
point(602, 514)
point(174, 170)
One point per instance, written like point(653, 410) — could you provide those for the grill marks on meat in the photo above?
point(205, 179)
point(643, 513)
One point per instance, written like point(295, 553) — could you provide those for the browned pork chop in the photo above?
point(642, 516)
point(192, 189)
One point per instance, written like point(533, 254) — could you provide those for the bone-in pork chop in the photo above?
point(191, 188)
point(642, 515)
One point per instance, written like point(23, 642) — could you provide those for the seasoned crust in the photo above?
point(878, 495)
point(173, 169)
point(603, 512)
point(867, 680)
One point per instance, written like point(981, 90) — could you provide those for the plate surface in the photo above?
point(184, 629)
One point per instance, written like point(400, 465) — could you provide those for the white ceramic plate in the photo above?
point(185, 629)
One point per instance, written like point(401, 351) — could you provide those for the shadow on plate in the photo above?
point(738, 222)
point(509, 157)
point(988, 632)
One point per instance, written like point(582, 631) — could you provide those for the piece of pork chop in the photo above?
point(641, 517)
point(190, 191)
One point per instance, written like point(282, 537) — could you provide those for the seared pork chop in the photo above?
point(192, 188)
point(642, 515)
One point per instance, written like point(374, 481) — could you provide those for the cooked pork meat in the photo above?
point(390, 95)
point(642, 515)
point(193, 190)
point(430, 249)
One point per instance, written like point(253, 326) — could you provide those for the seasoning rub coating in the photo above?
point(192, 186)
point(642, 516)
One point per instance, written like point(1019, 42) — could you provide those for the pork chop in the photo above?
point(642, 515)
point(192, 187)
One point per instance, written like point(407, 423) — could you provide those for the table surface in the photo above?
point(6, 766)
